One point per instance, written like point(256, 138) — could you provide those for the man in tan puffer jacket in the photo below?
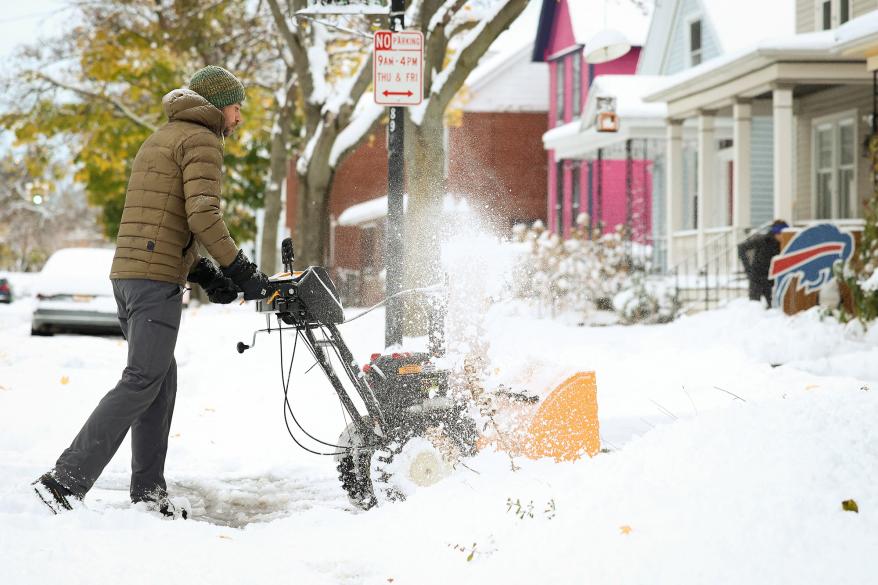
point(173, 199)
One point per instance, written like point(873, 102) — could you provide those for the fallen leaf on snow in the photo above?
point(65, 380)
point(850, 506)
point(625, 529)
point(224, 537)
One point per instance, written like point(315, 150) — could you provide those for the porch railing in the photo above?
point(713, 275)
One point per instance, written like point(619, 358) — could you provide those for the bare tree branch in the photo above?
point(469, 56)
point(461, 28)
point(300, 61)
point(364, 78)
point(115, 103)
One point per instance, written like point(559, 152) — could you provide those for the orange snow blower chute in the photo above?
point(564, 425)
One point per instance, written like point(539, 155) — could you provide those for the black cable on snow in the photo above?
point(288, 407)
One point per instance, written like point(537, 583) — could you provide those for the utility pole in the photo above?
point(393, 256)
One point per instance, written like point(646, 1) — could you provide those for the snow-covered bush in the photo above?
point(581, 274)
point(646, 302)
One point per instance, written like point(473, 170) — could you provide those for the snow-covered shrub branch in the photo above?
point(587, 272)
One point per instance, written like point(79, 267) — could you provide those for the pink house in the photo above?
point(613, 188)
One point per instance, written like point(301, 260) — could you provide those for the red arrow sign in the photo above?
point(406, 93)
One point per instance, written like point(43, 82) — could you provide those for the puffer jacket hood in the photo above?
point(187, 106)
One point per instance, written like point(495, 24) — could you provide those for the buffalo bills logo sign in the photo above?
point(808, 258)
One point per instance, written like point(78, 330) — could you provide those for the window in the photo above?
point(695, 44)
point(835, 168)
point(559, 198)
point(576, 200)
point(577, 83)
point(832, 13)
point(560, 74)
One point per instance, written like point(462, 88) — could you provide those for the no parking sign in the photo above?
point(398, 65)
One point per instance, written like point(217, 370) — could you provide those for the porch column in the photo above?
point(782, 102)
point(706, 176)
point(674, 186)
point(742, 113)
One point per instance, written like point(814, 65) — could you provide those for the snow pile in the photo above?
point(734, 437)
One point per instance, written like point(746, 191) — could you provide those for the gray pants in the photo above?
point(143, 400)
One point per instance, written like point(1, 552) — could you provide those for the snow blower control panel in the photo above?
point(308, 296)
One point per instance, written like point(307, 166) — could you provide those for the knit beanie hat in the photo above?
point(218, 86)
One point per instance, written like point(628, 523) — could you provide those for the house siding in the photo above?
point(827, 103)
point(807, 10)
point(861, 7)
point(562, 41)
point(677, 57)
point(762, 170)
point(497, 162)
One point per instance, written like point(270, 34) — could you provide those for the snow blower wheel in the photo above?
point(403, 467)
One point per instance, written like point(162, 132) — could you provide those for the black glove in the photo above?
point(219, 289)
point(247, 277)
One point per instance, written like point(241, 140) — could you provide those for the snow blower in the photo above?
point(406, 428)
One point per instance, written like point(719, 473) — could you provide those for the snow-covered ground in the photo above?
point(733, 438)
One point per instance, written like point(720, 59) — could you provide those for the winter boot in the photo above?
point(54, 495)
point(175, 509)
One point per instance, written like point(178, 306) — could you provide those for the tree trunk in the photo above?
point(312, 218)
point(426, 187)
point(280, 151)
point(273, 197)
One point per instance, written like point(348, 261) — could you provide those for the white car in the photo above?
point(74, 293)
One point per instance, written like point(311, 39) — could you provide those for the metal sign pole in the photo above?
point(396, 185)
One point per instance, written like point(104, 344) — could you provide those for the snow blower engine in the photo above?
point(405, 428)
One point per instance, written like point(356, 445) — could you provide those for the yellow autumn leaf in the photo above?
point(850, 506)
point(65, 380)
point(625, 529)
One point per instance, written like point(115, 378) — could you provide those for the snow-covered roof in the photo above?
point(857, 34)
point(857, 38)
point(496, 62)
point(588, 17)
point(373, 210)
point(741, 23)
point(817, 46)
point(637, 119)
point(367, 211)
point(732, 23)
point(509, 81)
point(522, 30)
